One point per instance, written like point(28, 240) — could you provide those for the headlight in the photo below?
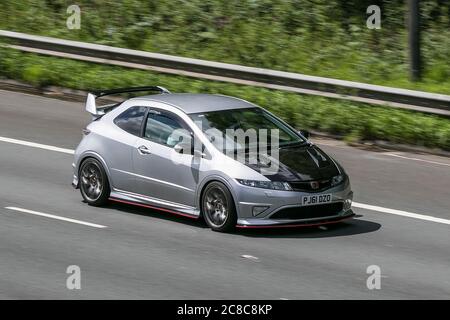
point(275, 185)
point(337, 180)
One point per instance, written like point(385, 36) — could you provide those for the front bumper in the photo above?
point(278, 201)
point(270, 223)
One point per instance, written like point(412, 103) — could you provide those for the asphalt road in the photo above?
point(144, 254)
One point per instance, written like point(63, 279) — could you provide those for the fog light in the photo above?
point(347, 204)
point(258, 210)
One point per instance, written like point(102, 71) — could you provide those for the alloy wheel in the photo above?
point(91, 181)
point(216, 207)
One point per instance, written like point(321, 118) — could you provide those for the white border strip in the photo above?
point(37, 145)
point(416, 159)
point(56, 217)
point(400, 213)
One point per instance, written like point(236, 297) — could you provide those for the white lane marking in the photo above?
point(355, 204)
point(392, 155)
point(416, 159)
point(56, 217)
point(400, 213)
point(250, 257)
point(36, 145)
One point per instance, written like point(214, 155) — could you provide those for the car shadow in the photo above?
point(346, 228)
point(153, 213)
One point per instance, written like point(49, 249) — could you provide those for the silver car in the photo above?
point(177, 153)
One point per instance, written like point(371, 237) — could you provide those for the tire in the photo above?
point(94, 184)
point(218, 207)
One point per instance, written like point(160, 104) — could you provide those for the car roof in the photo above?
point(198, 103)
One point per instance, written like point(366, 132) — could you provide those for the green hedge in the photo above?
point(317, 37)
point(353, 120)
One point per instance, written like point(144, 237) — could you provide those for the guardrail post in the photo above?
point(414, 40)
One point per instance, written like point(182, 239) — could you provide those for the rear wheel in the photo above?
point(218, 207)
point(94, 184)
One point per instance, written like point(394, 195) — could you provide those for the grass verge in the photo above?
point(354, 121)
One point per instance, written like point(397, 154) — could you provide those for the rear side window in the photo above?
point(131, 120)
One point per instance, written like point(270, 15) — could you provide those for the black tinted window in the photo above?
point(165, 128)
point(245, 119)
point(131, 120)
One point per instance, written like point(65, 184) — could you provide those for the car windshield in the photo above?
point(226, 122)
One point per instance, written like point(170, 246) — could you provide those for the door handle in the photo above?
point(143, 150)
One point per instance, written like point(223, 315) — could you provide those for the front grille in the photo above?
point(311, 186)
point(309, 212)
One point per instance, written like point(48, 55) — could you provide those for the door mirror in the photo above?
point(199, 154)
point(183, 147)
point(186, 148)
point(304, 133)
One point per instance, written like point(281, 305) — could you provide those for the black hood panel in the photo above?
point(302, 163)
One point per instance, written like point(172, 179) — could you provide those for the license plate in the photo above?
point(316, 199)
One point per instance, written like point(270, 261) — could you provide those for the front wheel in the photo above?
point(94, 184)
point(218, 207)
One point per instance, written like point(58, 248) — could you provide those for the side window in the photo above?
point(131, 120)
point(166, 128)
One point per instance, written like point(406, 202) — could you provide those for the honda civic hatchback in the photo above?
point(212, 156)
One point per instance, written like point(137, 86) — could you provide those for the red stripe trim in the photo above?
point(153, 207)
point(291, 225)
point(238, 225)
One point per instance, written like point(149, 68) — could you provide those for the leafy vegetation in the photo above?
point(354, 120)
point(317, 37)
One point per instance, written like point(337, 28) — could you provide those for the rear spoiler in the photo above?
point(91, 105)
